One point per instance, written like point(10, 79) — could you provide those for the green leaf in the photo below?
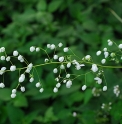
point(87, 95)
point(5, 94)
point(54, 5)
point(41, 5)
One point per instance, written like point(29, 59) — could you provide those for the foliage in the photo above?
point(83, 25)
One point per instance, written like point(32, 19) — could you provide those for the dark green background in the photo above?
point(84, 26)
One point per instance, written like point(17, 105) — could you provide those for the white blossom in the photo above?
point(62, 66)
point(87, 57)
point(55, 57)
point(98, 53)
point(21, 78)
point(41, 90)
point(13, 68)
point(120, 46)
point(22, 89)
point(37, 49)
point(55, 70)
point(66, 49)
point(2, 49)
point(58, 85)
point(2, 58)
point(99, 80)
point(14, 91)
point(55, 90)
point(15, 53)
point(104, 88)
point(60, 45)
point(2, 85)
point(8, 58)
point(106, 54)
point(69, 83)
point(38, 84)
point(105, 49)
point(94, 68)
point(48, 45)
point(31, 79)
point(61, 59)
point(52, 46)
point(110, 43)
point(84, 87)
point(67, 75)
point(68, 64)
point(103, 61)
point(13, 95)
point(32, 48)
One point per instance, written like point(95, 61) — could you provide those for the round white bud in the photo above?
point(2, 85)
point(15, 53)
point(8, 58)
point(2, 49)
point(66, 49)
point(98, 53)
point(55, 57)
point(62, 66)
point(14, 91)
point(104, 88)
point(2, 58)
point(120, 46)
point(13, 95)
point(37, 49)
point(22, 89)
point(31, 79)
point(55, 70)
point(60, 45)
point(58, 85)
point(83, 87)
point(32, 48)
point(48, 45)
point(52, 46)
point(61, 59)
point(55, 90)
point(103, 61)
point(38, 84)
point(41, 90)
point(13, 68)
point(68, 64)
point(68, 75)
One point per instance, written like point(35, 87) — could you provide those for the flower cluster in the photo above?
point(63, 62)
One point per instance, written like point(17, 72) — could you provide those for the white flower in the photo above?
point(105, 49)
point(38, 84)
point(69, 83)
point(55, 70)
point(2, 85)
point(21, 78)
point(57, 79)
point(84, 87)
point(3, 68)
point(62, 66)
point(14, 91)
point(98, 53)
point(20, 57)
point(22, 89)
point(68, 75)
point(61, 59)
point(55, 90)
point(13, 95)
point(110, 43)
point(106, 54)
point(31, 79)
point(66, 49)
point(60, 45)
point(2, 58)
point(13, 68)
point(74, 114)
point(94, 68)
point(99, 80)
point(37, 49)
point(15, 53)
point(2, 49)
point(68, 64)
point(112, 54)
point(103, 61)
point(48, 45)
point(55, 56)
point(104, 88)
point(52, 46)
point(41, 90)
point(64, 81)
point(46, 60)
point(8, 58)
point(120, 46)
point(87, 57)
point(32, 48)
point(58, 85)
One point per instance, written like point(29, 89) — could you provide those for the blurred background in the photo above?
point(84, 26)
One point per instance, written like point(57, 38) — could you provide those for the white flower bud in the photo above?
point(60, 45)
point(104, 88)
point(48, 45)
point(41, 90)
point(37, 49)
point(98, 53)
point(8, 58)
point(83, 87)
point(13, 68)
point(22, 89)
point(110, 43)
point(13, 95)
point(105, 49)
point(32, 49)
point(64, 81)
point(55, 70)
point(55, 57)
point(58, 85)
point(52, 46)
point(15, 53)
point(38, 84)
point(120, 46)
point(87, 57)
point(31, 79)
point(69, 83)
point(106, 54)
point(2, 85)
point(3, 68)
point(68, 75)
point(99, 80)
point(103, 61)
point(2, 49)
point(68, 64)
point(14, 91)
point(2, 58)
point(61, 59)
point(21, 78)
point(62, 66)
point(94, 68)
point(55, 90)
point(66, 49)
point(46, 60)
